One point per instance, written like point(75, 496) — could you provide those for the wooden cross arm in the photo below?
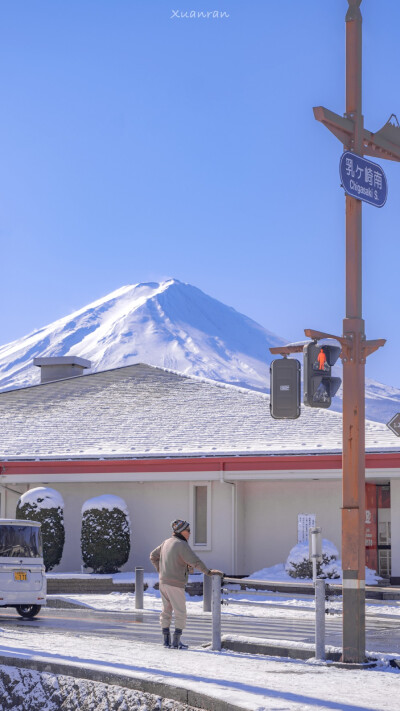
point(369, 347)
point(384, 143)
point(317, 335)
point(340, 126)
point(286, 350)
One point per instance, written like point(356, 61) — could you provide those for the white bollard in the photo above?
point(315, 541)
point(139, 588)
point(320, 619)
point(207, 588)
point(216, 613)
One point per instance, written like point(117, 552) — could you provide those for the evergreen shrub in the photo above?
point(45, 505)
point(298, 564)
point(105, 534)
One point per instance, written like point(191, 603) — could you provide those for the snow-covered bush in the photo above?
point(45, 505)
point(298, 564)
point(106, 534)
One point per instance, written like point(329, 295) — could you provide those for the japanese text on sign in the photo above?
point(363, 179)
point(304, 523)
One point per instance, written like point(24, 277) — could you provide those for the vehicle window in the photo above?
point(20, 542)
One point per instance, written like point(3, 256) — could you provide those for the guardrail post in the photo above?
point(216, 613)
point(320, 619)
point(207, 589)
point(139, 588)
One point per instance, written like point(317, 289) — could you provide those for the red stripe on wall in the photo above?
point(195, 464)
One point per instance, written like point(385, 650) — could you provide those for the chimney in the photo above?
point(58, 368)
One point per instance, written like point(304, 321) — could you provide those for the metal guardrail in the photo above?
point(212, 600)
point(216, 600)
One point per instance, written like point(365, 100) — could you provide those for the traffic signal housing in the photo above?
point(319, 385)
point(285, 389)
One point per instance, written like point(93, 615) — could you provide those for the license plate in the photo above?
point(20, 575)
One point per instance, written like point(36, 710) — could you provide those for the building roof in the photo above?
point(142, 411)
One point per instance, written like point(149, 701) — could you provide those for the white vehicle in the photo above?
point(23, 582)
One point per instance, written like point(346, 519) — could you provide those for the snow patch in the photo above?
point(43, 497)
point(108, 502)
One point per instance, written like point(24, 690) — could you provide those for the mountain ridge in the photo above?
point(169, 324)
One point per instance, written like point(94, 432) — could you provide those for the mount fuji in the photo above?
point(172, 325)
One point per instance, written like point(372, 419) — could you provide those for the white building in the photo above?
point(175, 446)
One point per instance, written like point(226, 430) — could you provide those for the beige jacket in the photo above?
point(171, 560)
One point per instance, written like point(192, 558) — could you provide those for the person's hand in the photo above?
point(217, 572)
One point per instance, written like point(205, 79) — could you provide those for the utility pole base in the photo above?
point(353, 610)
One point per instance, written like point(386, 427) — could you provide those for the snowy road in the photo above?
point(253, 682)
point(383, 633)
point(115, 637)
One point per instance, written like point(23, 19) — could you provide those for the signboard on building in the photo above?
point(394, 424)
point(363, 179)
point(304, 523)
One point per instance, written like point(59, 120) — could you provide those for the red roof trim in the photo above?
point(201, 464)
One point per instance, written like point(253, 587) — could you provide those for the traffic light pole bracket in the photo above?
point(353, 349)
point(286, 350)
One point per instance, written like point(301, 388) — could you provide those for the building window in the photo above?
point(201, 515)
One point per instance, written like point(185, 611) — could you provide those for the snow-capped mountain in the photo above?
point(173, 325)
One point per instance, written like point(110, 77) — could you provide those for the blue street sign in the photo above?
point(363, 179)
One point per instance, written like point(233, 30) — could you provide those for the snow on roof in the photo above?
point(141, 411)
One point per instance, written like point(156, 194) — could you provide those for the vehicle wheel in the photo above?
point(28, 610)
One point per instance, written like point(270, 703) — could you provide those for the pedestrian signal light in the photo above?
point(319, 385)
point(285, 389)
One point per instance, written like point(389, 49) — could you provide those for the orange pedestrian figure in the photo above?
point(321, 360)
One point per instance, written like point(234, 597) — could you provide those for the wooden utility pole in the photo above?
point(384, 144)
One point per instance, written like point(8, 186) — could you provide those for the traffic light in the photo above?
point(285, 389)
point(319, 385)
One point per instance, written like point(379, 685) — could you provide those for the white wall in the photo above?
point(270, 517)
point(221, 555)
point(266, 518)
point(9, 499)
point(152, 506)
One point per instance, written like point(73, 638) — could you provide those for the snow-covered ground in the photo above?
point(29, 690)
point(274, 574)
point(254, 682)
point(261, 604)
point(253, 605)
point(265, 605)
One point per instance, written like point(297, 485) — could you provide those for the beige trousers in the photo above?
point(173, 600)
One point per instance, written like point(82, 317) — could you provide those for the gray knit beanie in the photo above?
point(178, 525)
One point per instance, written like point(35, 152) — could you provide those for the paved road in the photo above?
point(383, 634)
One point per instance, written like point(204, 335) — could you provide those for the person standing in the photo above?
point(174, 560)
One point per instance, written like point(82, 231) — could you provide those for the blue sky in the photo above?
point(136, 146)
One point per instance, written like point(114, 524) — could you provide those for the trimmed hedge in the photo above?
point(52, 528)
point(105, 539)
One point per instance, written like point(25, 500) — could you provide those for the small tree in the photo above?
point(105, 535)
point(46, 506)
point(299, 565)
